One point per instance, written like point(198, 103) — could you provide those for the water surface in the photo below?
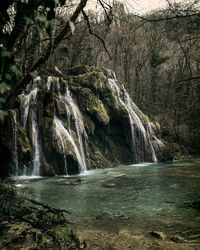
point(142, 197)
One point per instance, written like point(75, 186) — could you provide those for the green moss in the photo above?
point(145, 119)
point(97, 159)
point(94, 80)
point(93, 106)
point(177, 150)
point(110, 100)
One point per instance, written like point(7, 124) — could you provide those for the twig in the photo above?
point(45, 206)
point(91, 32)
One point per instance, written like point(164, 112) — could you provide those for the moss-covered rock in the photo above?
point(145, 119)
point(93, 80)
point(48, 101)
point(97, 159)
point(89, 125)
point(92, 105)
point(86, 104)
point(81, 69)
point(24, 146)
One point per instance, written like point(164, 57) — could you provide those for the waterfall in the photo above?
point(72, 110)
point(80, 129)
point(63, 121)
point(63, 132)
point(58, 131)
point(136, 124)
point(35, 141)
point(14, 150)
point(29, 112)
point(151, 132)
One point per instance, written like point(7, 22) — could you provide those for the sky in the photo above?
point(146, 5)
point(139, 6)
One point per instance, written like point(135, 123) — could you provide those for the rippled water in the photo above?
point(142, 197)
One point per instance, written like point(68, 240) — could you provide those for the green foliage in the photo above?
point(3, 114)
point(38, 14)
point(145, 119)
point(4, 88)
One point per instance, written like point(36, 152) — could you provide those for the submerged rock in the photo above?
point(159, 235)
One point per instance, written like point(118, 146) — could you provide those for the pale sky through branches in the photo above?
point(146, 5)
point(138, 6)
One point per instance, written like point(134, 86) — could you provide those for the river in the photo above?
point(141, 198)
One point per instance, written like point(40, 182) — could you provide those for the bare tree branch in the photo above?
point(91, 32)
point(167, 18)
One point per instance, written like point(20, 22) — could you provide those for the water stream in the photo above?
point(15, 149)
point(65, 135)
point(29, 112)
point(80, 129)
point(72, 111)
point(135, 122)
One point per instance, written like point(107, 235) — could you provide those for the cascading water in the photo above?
point(14, 151)
point(58, 131)
point(54, 114)
point(72, 110)
point(29, 111)
point(151, 132)
point(135, 122)
point(63, 132)
point(80, 129)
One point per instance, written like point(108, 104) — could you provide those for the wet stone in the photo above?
point(158, 235)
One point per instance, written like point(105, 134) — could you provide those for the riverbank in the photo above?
point(124, 240)
point(28, 224)
point(144, 206)
point(22, 235)
point(32, 225)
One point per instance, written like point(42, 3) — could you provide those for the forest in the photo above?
point(99, 118)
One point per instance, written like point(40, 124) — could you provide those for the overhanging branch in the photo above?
point(47, 52)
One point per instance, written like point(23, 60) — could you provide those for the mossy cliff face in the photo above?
point(93, 106)
point(79, 121)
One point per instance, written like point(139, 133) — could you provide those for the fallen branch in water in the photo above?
point(50, 209)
